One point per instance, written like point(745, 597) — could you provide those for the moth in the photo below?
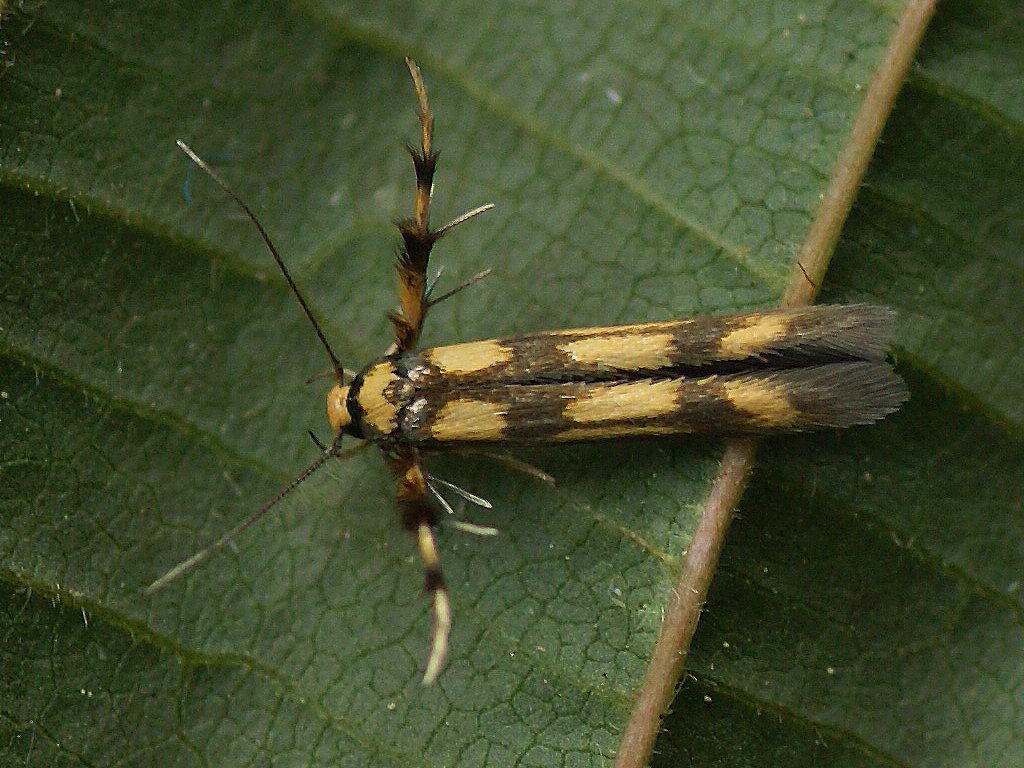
point(757, 373)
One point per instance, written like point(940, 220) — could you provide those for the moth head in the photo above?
point(337, 409)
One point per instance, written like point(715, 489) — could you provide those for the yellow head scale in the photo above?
point(337, 411)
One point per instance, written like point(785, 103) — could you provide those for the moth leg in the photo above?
point(442, 605)
point(420, 515)
point(431, 300)
point(417, 237)
point(472, 498)
point(512, 463)
point(461, 525)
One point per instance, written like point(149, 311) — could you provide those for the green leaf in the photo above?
point(646, 162)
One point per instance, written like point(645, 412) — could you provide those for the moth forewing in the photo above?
point(771, 338)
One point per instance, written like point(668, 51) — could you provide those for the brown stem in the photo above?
point(680, 622)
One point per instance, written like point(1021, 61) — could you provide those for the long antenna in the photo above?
point(335, 363)
point(191, 562)
point(334, 449)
